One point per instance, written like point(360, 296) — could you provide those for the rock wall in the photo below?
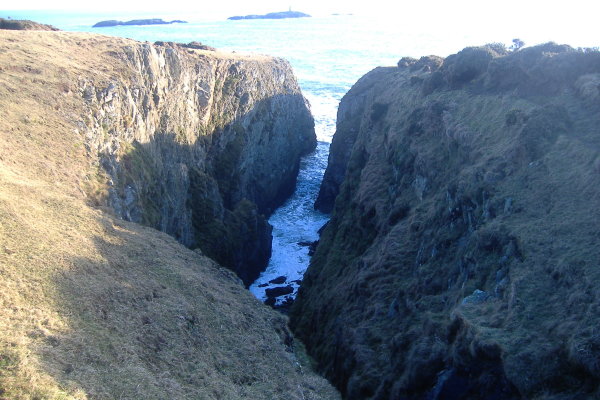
point(95, 307)
point(199, 144)
point(461, 258)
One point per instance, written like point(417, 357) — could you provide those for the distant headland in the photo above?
point(273, 15)
point(150, 21)
point(24, 25)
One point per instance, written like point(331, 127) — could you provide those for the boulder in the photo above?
point(279, 280)
point(279, 291)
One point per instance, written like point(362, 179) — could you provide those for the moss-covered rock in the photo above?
point(461, 257)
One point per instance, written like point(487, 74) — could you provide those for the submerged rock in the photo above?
point(312, 246)
point(279, 291)
point(279, 280)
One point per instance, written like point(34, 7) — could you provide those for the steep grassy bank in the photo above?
point(461, 260)
point(93, 306)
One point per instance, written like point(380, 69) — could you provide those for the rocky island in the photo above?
point(273, 15)
point(461, 258)
point(149, 21)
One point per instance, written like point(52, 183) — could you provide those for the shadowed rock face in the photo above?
point(200, 145)
point(461, 257)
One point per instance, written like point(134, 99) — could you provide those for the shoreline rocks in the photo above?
point(279, 291)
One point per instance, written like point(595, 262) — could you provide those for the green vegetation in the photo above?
point(461, 256)
point(230, 83)
point(224, 169)
point(238, 239)
point(138, 170)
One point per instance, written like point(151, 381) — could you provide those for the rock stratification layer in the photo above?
point(461, 260)
point(199, 144)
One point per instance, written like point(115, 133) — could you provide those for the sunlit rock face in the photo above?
point(199, 144)
point(461, 257)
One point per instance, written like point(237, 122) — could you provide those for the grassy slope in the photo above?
point(93, 307)
point(510, 206)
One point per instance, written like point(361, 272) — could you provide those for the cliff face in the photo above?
point(198, 144)
point(461, 258)
point(96, 307)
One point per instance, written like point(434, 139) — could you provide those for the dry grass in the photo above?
point(96, 308)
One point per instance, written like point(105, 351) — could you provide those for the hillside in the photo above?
point(24, 25)
point(94, 306)
point(461, 259)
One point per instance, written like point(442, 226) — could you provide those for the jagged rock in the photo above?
point(279, 291)
point(279, 280)
point(477, 297)
point(94, 306)
point(198, 46)
point(313, 248)
point(285, 305)
point(270, 301)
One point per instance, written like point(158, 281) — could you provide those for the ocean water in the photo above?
point(328, 55)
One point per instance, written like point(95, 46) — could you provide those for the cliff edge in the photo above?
point(199, 144)
point(95, 306)
point(461, 258)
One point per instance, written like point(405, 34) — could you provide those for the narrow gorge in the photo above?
point(137, 178)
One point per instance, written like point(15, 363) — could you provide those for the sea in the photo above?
point(328, 53)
